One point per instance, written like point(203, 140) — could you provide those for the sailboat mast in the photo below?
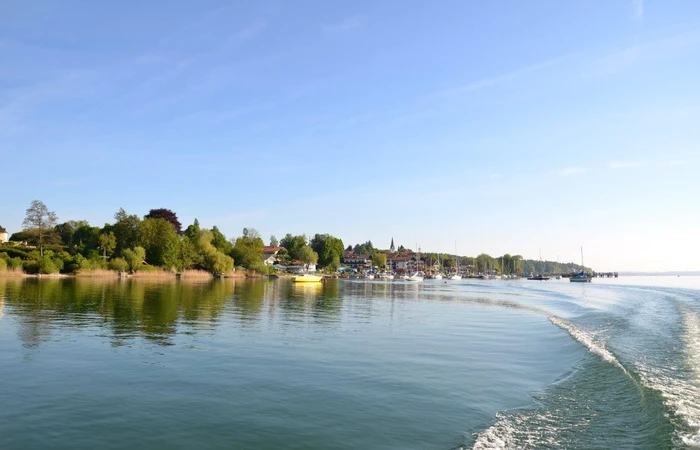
point(583, 268)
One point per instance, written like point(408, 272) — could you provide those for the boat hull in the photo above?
point(307, 279)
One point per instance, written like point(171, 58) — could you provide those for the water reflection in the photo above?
point(122, 310)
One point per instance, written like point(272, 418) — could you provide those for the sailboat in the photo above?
point(456, 275)
point(438, 275)
point(581, 277)
point(418, 275)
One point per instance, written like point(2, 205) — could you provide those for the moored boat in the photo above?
point(581, 277)
point(538, 278)
point(307, 278)
point(417, 276)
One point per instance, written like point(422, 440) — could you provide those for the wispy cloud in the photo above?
point(624, 164)
point(644, 53)
point(341, 27)
point(571, 171)
point(494, 80)
point(246, 34)
point(638, 10)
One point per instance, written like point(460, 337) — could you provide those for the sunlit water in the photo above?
point(350, 365)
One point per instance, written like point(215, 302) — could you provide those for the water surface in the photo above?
point(269, 364)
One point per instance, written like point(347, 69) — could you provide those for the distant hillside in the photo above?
point(686, 273)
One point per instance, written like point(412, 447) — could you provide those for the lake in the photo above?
point(350, 364)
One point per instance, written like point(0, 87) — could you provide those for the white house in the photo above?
point(3, 235)
point(269, 255)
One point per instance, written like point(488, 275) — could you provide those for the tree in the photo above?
point(293, 244)
point(220, 242)
point(273, 241)
point(283, 257)
point(193, 231)
point(189, 256)
point(134, 258)
point(247, 251)
point(86, 239)
point(125, 229)
point(67, 229)
point(329, 249)
point(308, 256)
point(167, 215)
point(251, 233)
point(379, 260)
point(107, 243)
point(366, 248)
point(41, 220)
point(162, 244)
point(212, 260)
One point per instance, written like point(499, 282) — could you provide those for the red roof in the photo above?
point(270, 249)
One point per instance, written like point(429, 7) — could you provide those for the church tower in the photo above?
point(392, 249)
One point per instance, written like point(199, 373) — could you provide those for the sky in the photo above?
point(532, 128)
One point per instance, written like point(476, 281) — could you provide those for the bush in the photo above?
point(47, 265)
point(13, 252)
point(119, 264)
point(3, 264)
point(30, 267)
point(15, 263)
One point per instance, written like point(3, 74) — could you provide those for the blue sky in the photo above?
point(503, 126)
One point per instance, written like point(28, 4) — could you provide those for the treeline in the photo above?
point(158, 242)
point(483, 263)
point(129, 244)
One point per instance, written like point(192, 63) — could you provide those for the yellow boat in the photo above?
point(307, 278)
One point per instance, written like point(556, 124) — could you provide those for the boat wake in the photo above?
point(589, 341)
point(680, 386)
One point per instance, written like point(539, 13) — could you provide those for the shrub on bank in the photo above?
point(118, 264)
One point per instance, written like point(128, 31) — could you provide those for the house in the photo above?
point(269, 255)
point(296, 267)
point(356, 260)
point(399, 262)
point(3, 235)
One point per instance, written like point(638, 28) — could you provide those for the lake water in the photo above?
point(225, 364)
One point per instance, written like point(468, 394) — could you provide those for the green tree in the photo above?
point(273, 241)
point(283, 257)
point(119, 264)
point(379, 260)
point(125, 229)
point(308, 256)
point(212, 260)
point(193, 231)
point(40, 220)
point(365, 249)
point(218, 263)
point(134, 258)
point(220, 242)
point(189, 256)
point(329, 249)
point(107, 243)
point(161, 242)
point(294, 244)
point(247, 251)
point(86, 239)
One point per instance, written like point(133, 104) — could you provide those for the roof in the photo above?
point(2, 230)
point(358, 256)
point(270, 249)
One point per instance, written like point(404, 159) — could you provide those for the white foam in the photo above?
point(592, 344)
point(680, 387)
point(529, 429)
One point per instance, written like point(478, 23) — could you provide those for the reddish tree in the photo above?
point(168, 215)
